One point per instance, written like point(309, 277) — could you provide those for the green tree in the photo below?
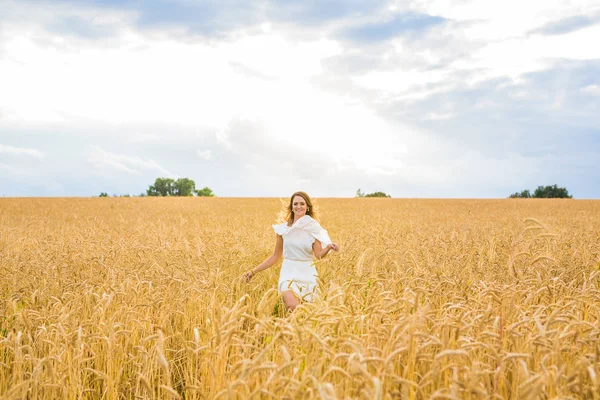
point(525, 194)
point(205, 192)
point(551, 192)
point(377, 194)
point(184, 187)
point(543, 192)
point(179, 187)
point(360, 193)
point(161, 187)
point(103, 194)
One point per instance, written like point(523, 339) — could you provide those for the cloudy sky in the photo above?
point(415, 98)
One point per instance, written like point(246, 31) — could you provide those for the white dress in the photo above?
point(297, 271)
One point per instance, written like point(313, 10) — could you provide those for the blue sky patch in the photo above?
point(567, 25)
point(401, 24)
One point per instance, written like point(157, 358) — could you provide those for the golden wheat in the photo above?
point(454, 299)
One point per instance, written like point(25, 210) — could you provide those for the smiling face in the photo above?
point(299, 206)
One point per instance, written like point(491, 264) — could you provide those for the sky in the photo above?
point(443, 99)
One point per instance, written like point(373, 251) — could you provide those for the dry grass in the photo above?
point(142, 298)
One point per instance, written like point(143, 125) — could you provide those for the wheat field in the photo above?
point(110, 298)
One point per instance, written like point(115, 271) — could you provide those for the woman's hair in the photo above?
point(289, 211)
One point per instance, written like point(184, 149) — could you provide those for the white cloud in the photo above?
point(591, 89)
point(205, 155)
point(8, 168)
point(103, 159)
point(500, 20)
point(5, 149)
point(135, 80)
point(515, 56)
point(400, 80)
point(322, 124)
point(483, 41)
point(276, 56)
point(136, 77)
point(437, 116)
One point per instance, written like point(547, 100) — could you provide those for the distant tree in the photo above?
point(161, 187)
point(525, 194)
point(179, 187)
point(377, 194)
point(544, 192)
point(184, 187)
point(551, 192)
point(360, 193)
point(205, 192)
point(103, 194)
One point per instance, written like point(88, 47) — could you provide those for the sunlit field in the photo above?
point(143, 298)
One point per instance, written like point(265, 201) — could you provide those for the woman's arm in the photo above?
point(269, 262)
point(321, 252)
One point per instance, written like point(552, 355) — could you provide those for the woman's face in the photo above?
point(299, 206)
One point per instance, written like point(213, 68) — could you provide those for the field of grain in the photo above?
point(109, 298)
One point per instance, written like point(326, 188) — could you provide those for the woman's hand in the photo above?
point(249, 275)
point(334, 247)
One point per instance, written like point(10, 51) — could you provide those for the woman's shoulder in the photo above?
point(280, 229)
point(304, 223)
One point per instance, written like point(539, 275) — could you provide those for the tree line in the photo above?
point(179, 187)
point(359, 193)
point(166, 187)
point(543, 192)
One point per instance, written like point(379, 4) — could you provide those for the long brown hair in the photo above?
point(289, 215)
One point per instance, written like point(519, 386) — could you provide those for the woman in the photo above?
point(298, 240)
